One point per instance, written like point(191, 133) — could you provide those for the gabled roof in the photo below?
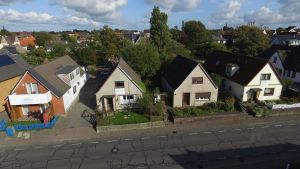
point(179, 69)
point(50, 70)
point(27, 41)
point(127, 70)
point(249, 67)
point(17, 68)
point(292, 61)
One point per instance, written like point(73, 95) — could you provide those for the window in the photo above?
point(265, 76)
point(202, 96)
point(77, 71)
point(127, 99)
point(269, 92)
point(274, 59)
point(228, 69)
point(288, 73)
point(32, 88)
point(25, 110)
point(293, 74)
point(197, 80)
point(119, 84)
point(78, 83)
point(72, 76)
point(74, 89)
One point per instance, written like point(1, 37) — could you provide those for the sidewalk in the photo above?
point(61, 135)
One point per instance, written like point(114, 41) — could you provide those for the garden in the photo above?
point(123, 117)
point(229, 105)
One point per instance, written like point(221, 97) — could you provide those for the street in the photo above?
point(257, 145)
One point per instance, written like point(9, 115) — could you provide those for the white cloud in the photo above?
point(107, 11)
point(27, 17)
point(176, 5)
point(288, 13)
point(228, 11)
point(9, 2)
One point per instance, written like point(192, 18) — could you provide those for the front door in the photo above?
point(185, 99)
point(110, 104)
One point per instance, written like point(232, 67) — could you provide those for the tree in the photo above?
point(196, 37)
point(58, 50)
point(108, 43)
point(144, 58)
point(250, 41)
point(84, 56)
point(36, 56)
point(176, 34)
point(4, 32)
point(41, 38)
point(160, 35)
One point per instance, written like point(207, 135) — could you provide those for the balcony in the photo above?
point(29, 99)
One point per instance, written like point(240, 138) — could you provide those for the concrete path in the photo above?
point(260, 143)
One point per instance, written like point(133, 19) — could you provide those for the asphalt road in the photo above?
point(269, 145)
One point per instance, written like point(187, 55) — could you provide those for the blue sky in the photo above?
point(56, 15)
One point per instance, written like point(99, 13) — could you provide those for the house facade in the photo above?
point(246, 78)
point(50, 88)
point(12, 67)
point(286, 40)
point(188, 83)
point(120, 89)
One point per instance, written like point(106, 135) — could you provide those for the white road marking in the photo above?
point(19, 149)
point(292, 124)
point(95, 142)
point(278, 125)
point(237, 129)
point(263, 127)
point(39, 147)
point(128, 139)
point(221, 131)
point(207, 132)
point(193, 134)
point(145, 138)
point(55, 146)
point(76, 144)
point(110, 141)
point(251, 128)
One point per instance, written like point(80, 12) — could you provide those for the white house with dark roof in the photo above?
point(188, 83)
point(120, 87)
point(247, 78)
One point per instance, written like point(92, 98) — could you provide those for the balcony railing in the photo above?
point(30, 99)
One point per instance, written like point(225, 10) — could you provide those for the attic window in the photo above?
point(197, 80)
point(265, 76)
point(119, 84)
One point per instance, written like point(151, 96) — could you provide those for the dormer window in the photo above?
point(71, 76)
point(77, 71)
point(231, 69)
point(265, 76)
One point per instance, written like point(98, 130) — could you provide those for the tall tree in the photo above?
point(160, 35)
point(196, 37)
point(41, 38)
point(144, 58)
point(250, 41)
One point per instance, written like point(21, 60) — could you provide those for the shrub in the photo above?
point(260, 111)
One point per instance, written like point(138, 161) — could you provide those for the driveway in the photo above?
point(82, 113)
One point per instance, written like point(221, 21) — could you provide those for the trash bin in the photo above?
point(10, 131)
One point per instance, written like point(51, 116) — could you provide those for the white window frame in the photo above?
point(30, 89)
point(23, 110)
point(202, 98)
point(124, 99)
point(77, 71)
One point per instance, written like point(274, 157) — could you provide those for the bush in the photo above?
point(260, 111)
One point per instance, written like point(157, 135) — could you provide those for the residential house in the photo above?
point(247, 78)
point(12, 40)
point(286, 59)
point(12, 67)
point(286, 40)
point(188, 83)
point(27, 41)
point(49, 45)
point(50, 88)
point(120, 87)
point(3, 42)
point(219, 39)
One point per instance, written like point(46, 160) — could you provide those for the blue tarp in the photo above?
point(36, 126)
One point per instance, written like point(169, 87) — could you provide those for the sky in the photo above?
point(58, 15)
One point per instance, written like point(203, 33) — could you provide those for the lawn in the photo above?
point(123, 117)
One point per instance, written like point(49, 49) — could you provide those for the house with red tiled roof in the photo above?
point(26, 41)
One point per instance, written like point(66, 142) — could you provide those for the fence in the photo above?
point(36, 126)
point(3, 125)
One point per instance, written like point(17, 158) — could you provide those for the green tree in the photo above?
point(84, 56)
point(4, 32)
point(58, 50)
point(160, 35)
point(143, 58)
point(250, 41)
point(36, 56)
point(196, 37)
point(108, 43)
point(41, 38)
